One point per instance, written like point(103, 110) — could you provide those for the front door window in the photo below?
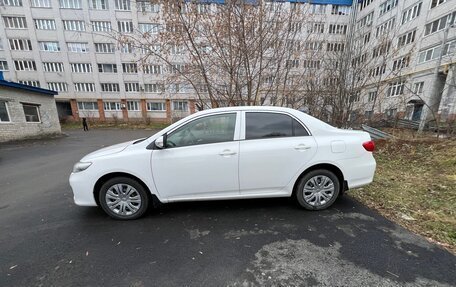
point(210, 129)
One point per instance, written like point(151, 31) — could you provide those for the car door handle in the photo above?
point(227, 152)
point(302, 147)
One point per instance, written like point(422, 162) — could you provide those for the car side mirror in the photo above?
point(160, 142)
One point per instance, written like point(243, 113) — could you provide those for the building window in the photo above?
point(149, 28)
point(131, 87)
point(133, 105)
point(41, 3)
point(78, 47)
point(130, 68)
point(110, 87)
point(436, 3)
point(32, 113)
point(53, 66)
point(418, 88)
point(3, 65)
point(337, 29)
point(317, 9)
point(74, 25)
point(366, 20)
point(292, 64)
point(49, 46)
point(44, 24)
point(99, 4)
point(180, 106)
point(152, 69)
point(379, 70)
point(156, 106)
point(401, 63)
point(146, 6)
point(123, 5)
point(388, 5)
point(434, 52)
point(385, 27)
point(381, 49)
point(88, 106)
point(371, 96)
point(395, 89)
point(81, 67)
point(340, 10)
point(112, 106)
point(12, 3)
point(311, 64)
point(178, 88)
point(154, 88)
point(4, 113)
point(411, 13)
point(316, 27)
point(125, 26)
point(30, 83)
point(439, 24)
point(58, 86)
point(70, 4)
point(20, 44)
point(101, 26)
point(406, 39)
point(127, 48)
point(15, 22)
point(107, 68)
point(84, 87)
point(391, 113)
point(335, 47)
point(105, 48)
point(25, 65)
point(176, 68)
point(364, 4)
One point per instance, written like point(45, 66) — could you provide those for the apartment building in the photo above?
point(60, 45)
point(418, 77)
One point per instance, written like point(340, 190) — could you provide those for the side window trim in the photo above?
point(243, 127)
point(237, 127)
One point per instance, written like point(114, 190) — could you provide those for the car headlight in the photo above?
point(80, 166)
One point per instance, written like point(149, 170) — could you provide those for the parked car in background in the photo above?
point(227, 153)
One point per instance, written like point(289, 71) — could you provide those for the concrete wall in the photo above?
point(18, 128)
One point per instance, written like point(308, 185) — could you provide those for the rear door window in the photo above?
point(270, 125)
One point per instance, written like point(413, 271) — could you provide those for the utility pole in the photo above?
point(435, 93)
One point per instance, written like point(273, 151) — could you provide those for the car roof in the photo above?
point(249, 108)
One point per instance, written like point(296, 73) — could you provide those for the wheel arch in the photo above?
point(96, 189)
point(336, 170)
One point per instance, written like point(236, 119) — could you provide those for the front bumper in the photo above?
point(82, 187)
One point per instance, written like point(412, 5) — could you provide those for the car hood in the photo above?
point(107, 150)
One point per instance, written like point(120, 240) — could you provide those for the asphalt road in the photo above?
point(45, 240)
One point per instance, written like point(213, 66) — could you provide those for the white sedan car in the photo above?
point(227, 153)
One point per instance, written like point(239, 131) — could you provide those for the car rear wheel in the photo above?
point(123, 198)
point(318, 189)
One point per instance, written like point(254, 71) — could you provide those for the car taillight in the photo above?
point(369, 146)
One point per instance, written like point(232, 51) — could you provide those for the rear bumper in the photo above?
point(359, 171)
point(82, 188)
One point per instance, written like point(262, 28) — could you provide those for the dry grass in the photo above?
point(415, 186)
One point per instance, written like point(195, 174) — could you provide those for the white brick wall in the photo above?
point(18, 128)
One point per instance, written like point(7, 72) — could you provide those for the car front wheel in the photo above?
point(318, 189)
point(123, 198)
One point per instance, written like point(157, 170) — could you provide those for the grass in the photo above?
point(415, 186)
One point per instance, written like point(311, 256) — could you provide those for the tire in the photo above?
point(311, 196)
point(121, 205)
